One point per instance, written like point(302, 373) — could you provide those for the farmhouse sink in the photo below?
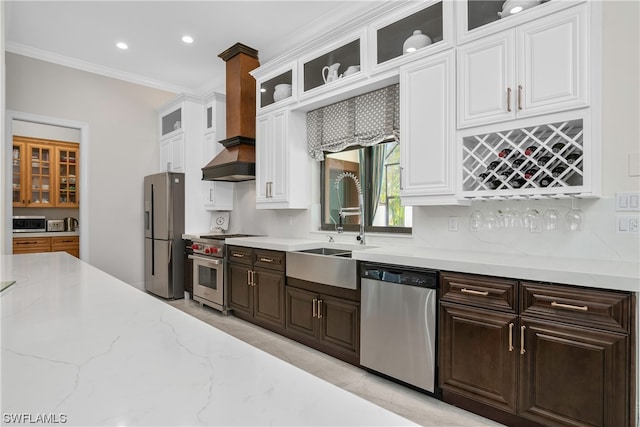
point(328, 266)
point(328, 252)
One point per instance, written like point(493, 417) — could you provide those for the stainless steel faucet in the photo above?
point(345, 212)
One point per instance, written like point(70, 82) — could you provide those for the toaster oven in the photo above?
point(55, 225)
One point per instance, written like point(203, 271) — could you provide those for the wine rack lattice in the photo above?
point(546, 158)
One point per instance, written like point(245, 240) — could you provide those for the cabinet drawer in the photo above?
point(240, 255)
point(269, 259)
point(26, 245)
point(608, 310)
point(479, 291)
point(64, 242)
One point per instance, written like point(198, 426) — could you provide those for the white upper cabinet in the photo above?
point(276, 87)
point(333, 65)
point(428, 150)
point(217, 195)
point(282, 162)
point(476, 19)
point(387, 37)
point(537, 68)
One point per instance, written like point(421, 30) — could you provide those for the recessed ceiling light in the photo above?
point(122, 45)
point(187, 39)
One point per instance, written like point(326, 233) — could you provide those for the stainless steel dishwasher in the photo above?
point(398, 323)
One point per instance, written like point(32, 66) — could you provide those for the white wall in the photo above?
point(4, 228)
point(123, 148)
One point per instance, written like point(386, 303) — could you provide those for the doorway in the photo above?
point(24, 124)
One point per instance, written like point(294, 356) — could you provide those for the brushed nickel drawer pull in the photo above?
point(237, 255)
point(570, 306)
point(249, 277)
point(472, 292)
point(522, 329)
point(270, 260)
point(509, 99)
point(511, 336)
point(319, 309)
point(315, 309)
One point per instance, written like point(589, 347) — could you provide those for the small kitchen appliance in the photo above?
point(55, 225)
point(70, 224)
point(29, 224)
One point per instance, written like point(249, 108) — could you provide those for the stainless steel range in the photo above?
point(208, 254)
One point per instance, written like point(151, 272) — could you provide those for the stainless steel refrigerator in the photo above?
point(163, 229)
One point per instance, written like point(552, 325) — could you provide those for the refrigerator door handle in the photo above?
point(153, 236)
point(170, 251)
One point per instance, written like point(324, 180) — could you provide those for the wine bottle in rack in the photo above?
point(494, 184)
point(545, 181)
point(493, 165)
point(505, 173)
point(557, 147)
point(517, 163)
point(543, 160)
point(572, 158)
point(530, 150)
point(517, 182)
point(557, 171)
point(483, 177)
point(504, 153)
point(530, 173)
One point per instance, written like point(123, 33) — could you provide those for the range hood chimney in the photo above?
point(237, 162)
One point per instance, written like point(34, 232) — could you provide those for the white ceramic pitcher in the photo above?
point(331, 72)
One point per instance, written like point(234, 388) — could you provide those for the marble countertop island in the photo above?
point(80, 346)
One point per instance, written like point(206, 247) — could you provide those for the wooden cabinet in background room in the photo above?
point(256, 286)
point(324, 317)
point(544, 354)
point(31, 245)
point(69, 244)
point(45, 173)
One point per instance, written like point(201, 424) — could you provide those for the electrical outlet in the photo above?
point(453, 223)
point(627, 202)
point(628, 224)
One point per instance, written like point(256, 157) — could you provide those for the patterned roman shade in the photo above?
point(363, 120)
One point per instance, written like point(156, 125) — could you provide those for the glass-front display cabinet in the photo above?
point(422, 29)
point(479, 18)
point(171, 122)
point(337, 62)
point(39, 167)
point(278, 89)
point(18, 175)
point(67, 159)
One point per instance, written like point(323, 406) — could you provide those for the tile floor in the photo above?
point(415, 406)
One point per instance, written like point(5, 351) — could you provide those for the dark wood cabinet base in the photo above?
point(486, 410)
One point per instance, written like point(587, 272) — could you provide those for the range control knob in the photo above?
point(215, 250)
point(195, 246)
point(207, 250)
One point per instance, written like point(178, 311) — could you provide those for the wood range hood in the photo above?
point(237, 162)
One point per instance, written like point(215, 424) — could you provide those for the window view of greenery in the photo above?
point(378, 170)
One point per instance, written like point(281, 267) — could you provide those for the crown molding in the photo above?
point(66, 61)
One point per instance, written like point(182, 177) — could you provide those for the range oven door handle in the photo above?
point(205, 259)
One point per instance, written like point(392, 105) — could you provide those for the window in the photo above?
point(377, 169)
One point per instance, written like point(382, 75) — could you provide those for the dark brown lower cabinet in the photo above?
point(550, 355)
point(256, 287)
point(328, 323)
point(572, 376)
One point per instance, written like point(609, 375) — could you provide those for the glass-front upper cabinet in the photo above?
point(171, 122)
point(479, 18)
point(40, 176)
point(276, 86)
point(417, 30)
point(18, 185)
point(67, 158)
point(330, 66)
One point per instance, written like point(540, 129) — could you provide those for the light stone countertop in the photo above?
point(582, 272)
point(82, 345)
